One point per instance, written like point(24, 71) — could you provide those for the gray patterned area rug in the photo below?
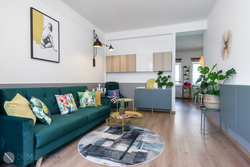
point(107, 146)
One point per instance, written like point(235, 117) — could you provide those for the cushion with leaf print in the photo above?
point(40, 110)
point(66, 103)
point(87, 99)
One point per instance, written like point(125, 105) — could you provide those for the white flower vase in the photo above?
point(164, 87)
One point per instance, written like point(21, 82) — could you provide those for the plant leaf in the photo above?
point(213, 67)
point(212, 76)
point(160, 72)
point(204, 85)
point(230, 72)
point(217, 92)
point(203, 70)
point(222, 77)
point(171, 84)
point(219, 72)
point(199, 79)
point(212, 83)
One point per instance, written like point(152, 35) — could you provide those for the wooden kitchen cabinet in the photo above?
point(162, 61)
point(128, 63)
point(113, 64)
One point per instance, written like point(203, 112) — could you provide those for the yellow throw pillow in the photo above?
point(19, 106)
point(97, 98)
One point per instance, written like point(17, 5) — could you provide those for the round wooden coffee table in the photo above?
point(113, 115)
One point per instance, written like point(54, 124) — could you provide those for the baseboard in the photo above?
point(173, 112)
point(247, 153)
point(130, 108)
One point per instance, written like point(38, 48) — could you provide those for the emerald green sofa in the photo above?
point(27, 142)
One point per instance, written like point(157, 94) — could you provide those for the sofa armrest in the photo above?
point(17, 137)
point(106, 101)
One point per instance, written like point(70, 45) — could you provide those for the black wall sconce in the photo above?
point(98, 44)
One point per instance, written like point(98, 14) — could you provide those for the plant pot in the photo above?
point(164, 87)
point(212, 102)
point(121, 111)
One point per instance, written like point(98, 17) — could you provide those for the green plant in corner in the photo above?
point(163, 81)
point(210, 81)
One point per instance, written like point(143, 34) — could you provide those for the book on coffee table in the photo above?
point(126, 116)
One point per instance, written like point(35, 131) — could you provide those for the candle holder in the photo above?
point(100, 89)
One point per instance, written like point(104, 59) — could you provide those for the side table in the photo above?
point(125, 100)
point(204, 110)
point(186, 89)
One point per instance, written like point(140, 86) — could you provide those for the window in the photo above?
point(177, 73)
point(195, 72)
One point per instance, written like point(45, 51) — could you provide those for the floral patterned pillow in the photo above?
point(40, 110)
point(66, 103)
point(87, 99)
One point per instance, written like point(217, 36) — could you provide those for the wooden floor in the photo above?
point(184, 144)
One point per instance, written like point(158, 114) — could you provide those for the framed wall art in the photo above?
point(44, 37)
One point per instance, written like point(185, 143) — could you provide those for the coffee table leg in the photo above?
point(133, 105)
point(122, 126)
point(110, 121)
point(142, 122)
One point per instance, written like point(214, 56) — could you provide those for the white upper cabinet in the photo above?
point(144, 62)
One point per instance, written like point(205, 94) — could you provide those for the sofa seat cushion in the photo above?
point(93, 112)
point(60, 126)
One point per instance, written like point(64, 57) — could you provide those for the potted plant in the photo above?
point(122, 109)
point(210, 85)
point(163, 81)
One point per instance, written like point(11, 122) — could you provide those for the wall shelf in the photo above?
point(186, 90)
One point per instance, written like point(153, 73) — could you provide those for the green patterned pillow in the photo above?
point(87, 99)
point(66, 103)
point(40, 110)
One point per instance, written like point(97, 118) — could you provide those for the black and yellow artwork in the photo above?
point(44, 37)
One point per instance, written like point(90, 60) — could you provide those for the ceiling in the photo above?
point(122, 15)
point(189, 42)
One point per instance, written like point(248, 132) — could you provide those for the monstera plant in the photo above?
point(210, 83)
point(210, 80)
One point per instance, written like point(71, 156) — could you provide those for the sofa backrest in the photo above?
point(73, 90)
point(46, 95)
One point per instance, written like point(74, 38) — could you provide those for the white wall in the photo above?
point(237, 21)
point(144, 34)
point(186, 61)
point(135, 46)
point(76, 51)
point(232, 15)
